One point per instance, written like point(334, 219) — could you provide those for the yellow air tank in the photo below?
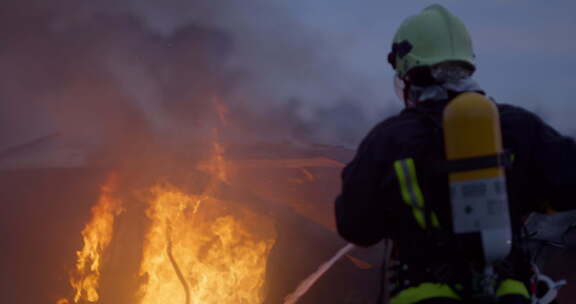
point(473, 144)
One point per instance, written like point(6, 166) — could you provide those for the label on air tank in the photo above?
point(479, 204)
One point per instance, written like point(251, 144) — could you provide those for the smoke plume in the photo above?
point(108, 75)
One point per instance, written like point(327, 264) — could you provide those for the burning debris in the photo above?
point(196, 248)
point(194, 245)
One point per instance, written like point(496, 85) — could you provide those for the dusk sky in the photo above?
point(526, 50)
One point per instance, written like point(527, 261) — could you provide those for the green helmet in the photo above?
point(432, 37)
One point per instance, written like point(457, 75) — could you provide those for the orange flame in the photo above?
point(196, 251)
point(206, 257)
point(96, 237)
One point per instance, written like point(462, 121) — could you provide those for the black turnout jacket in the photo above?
point(370, 206)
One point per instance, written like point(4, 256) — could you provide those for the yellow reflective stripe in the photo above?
point(414, 182)
point(402, 180)
point(408, 194)
point(419, 197)
point(411, 192)
point(423, 292)
point(512, 287)
point(410, 189)
point(419, 216)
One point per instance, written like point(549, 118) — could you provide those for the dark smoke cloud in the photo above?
point(110, 73)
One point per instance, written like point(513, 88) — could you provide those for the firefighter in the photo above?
point(433, 59)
